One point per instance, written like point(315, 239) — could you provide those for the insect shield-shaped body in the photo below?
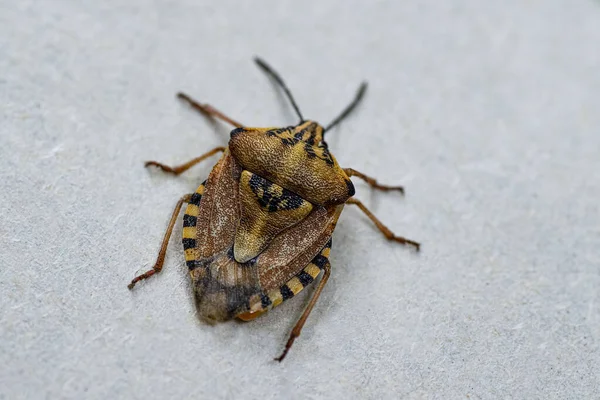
point(267, 210)
point(258, 230)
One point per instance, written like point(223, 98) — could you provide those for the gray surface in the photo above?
point(486, 111)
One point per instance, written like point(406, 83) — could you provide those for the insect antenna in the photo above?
point(359, 95)
point(269, 71)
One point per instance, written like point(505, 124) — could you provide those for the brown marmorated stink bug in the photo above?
point(258, 230)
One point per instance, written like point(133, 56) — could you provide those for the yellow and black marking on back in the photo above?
point(190, 219)
point(308, 135)
point(273, 197)
point(267, 209)
point(264, 301)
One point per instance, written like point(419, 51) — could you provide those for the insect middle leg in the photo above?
point(184, 167)
point(208, 110)
point(384, 229)
point(163, 248)
point(313, 300)
point(372, 181)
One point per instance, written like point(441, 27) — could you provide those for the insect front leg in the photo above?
point(313, 300)
point(208, 110)
point(184, 167)
point(163, 248)
point(384, 229)
point(372, 181)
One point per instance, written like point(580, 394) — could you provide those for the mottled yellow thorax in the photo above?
point(295, 158)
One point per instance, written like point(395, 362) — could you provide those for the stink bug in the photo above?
point(258, 230)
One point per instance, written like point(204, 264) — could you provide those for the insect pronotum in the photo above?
point(258, 230)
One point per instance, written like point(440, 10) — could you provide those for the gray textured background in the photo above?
point(488, 113)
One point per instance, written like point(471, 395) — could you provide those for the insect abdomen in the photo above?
point(291, 288)
point(190, 219)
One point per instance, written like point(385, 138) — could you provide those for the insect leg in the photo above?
point(208, 110)
point(372, 181)
point(313, 300)
point(163, 248)
point(184, 167)
point(384, 229)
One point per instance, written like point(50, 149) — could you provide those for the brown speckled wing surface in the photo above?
point(224, 288)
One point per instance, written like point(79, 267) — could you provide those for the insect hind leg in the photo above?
point(302, 320)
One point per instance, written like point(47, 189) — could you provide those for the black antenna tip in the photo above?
point(362, 89)
point(263, 65)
